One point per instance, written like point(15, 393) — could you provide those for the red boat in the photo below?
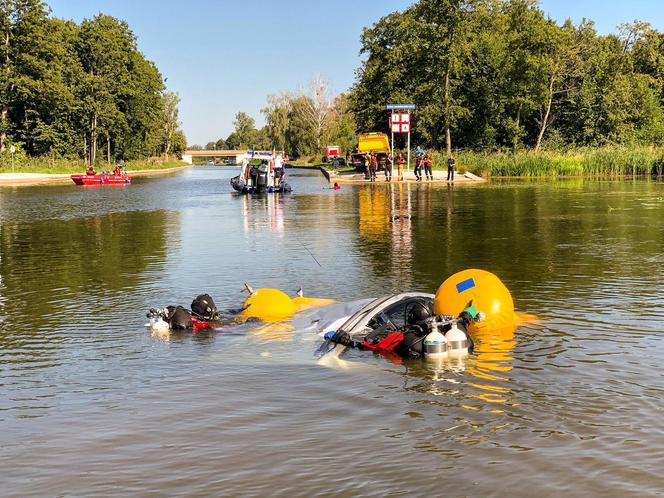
point(101, 179)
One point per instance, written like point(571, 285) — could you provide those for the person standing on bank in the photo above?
point(400, 162)
point(450, 168)
point(428, 166)
point(418, 167)
point(373, 166)
point(388, 169)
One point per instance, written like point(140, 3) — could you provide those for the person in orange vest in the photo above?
point(428, 165)
point(400, 162)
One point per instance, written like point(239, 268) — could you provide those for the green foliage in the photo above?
point(593, 161)
point(69, 90)
point(303, 124)
point(495, 75)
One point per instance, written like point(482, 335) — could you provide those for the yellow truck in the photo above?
point(375, 142)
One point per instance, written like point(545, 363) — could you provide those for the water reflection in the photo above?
point(263, 211)
point(64, 276)
point(579, 392)
point(401, 247)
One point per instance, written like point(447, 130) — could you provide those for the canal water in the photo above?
point(91, 404)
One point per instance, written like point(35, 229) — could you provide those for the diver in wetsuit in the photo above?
point(203, 315)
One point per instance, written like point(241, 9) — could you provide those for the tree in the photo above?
point(314, 109)
point(170, 122)
point(277, 120)
point(341, 126)
point(244, 133)
point(22, 23)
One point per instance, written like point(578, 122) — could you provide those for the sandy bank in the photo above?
point(408, 177)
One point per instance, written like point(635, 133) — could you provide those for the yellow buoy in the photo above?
point(273, 305)
point(269, 305)
point(481, 289)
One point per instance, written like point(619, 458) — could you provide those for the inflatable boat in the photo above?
point(101, 179)
point(258, 175)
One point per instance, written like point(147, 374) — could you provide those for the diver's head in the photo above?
point(417, 312)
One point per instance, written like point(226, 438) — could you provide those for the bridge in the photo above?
point(234, 157)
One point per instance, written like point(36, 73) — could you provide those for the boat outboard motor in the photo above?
point(253, 175)
point(261, 179)
point(203, 307)
point(179, 318)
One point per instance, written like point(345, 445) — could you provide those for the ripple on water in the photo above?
point(100, 407)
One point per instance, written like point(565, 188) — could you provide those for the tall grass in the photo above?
point(601, 161)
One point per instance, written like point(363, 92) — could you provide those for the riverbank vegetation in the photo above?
point(301, 123)
point(610, 160)
point(500, 75)
point(73, 94)
point(507, 90)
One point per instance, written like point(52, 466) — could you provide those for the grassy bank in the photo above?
point(598, 161)
point(601, 161)
point(47, 165)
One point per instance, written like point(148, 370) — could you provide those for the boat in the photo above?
point(101, 179)
point(260, 174)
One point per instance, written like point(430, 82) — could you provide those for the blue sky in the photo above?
point(225, 56)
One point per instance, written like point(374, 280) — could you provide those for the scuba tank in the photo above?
point(457, 341)
point(435, 345)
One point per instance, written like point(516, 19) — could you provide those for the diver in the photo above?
point(202, 315)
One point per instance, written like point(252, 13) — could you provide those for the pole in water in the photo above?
point(408, 142)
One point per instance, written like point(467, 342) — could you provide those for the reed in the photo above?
point(600, 161)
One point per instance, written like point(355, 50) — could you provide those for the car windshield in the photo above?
point(396, 313)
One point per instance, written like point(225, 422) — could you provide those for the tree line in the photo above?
point(300, 123)
point(485, 75)
point(80, 90)
point(500, 74)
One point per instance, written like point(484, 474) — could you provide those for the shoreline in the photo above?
point(26, 179)
point(438, 177)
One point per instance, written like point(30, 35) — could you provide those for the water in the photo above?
point(92, 405)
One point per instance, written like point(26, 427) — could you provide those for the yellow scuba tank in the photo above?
point(479, 288)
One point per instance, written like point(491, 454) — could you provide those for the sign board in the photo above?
point(12, 149)
point(400, 122)
point(400, 107)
